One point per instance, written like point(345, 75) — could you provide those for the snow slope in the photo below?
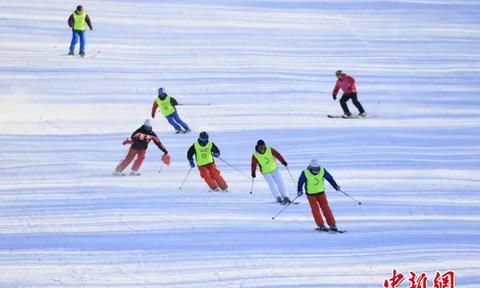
point(245, 70)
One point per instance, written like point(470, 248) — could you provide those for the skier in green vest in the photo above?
point(78, 21)
point(204, 151)
point(313, 179)
point(166, 104)
point(265, 158)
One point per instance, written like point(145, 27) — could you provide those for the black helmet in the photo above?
point(260, 144)
point(338, 72)
point(203, 136)
point(79, 8)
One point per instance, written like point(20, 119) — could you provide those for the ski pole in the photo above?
point(235, 168)
point(251, 189)
point(280, 212)
point(358, 202)
point(184, 180)
point(193, 104)
point(160, 170)
point(291, 177)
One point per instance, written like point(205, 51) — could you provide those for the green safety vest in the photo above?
point(203, 154)
point(267, 162)
point(315, 183)
point(165, 106)
point(79, 21)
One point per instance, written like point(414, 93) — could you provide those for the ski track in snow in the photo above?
point(244, 70)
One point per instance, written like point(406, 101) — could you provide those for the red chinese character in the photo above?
point(394, 281)
point(418, 282)
point(445, 280)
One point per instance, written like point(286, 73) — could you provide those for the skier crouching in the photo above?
point(139, 140)
point(313, 179)
point(204, 151)
point(265, 157)
point(167, 104)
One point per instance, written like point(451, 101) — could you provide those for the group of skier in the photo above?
point(203, 151)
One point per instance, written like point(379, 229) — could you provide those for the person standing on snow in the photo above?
point(265, 157)
point(167, 108)
point(78, 21)
point(349, 88)
point(204, 151)
point(139, 140)
point(313, 179)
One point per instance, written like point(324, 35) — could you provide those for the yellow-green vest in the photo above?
point(267, 162)
point(315, 183)
point(79, 21)
point(203, 154)
point(165, 106)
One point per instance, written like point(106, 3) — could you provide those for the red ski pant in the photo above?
point(131, 154)
point(212, 176)
point(319, 202)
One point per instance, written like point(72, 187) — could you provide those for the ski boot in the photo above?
point(286, 201)
point(134, 173)
point(322, 228)
point(347, 115)
point(82, 53)
point(333, 228)
point(71, 53)
point(117, 173)
point(280, 200)
point(363, 115)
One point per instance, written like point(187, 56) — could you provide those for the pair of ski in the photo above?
point(124, 174)
point(291, 203)
point(350, 117)
point(327, 230)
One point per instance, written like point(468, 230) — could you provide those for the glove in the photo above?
point(334, 97)
point(299, 193)
point(253, 174)
point(166, 159)
point(338, 188)
point(216, 154)
point(127, 141)
point(285, 164)
point(192, 164)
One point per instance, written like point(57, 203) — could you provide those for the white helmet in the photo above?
point(314, 163)
point(148, 123)
point(314, 166)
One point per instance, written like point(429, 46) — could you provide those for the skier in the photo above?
point(265, 157)
point(313, 178)
point(167, 107)
point(349, 88)
point(78, 21)
point(139, 140)
point(204, 151)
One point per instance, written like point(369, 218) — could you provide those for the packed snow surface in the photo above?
point(243, 71)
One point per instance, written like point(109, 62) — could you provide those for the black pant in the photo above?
point(345, 98)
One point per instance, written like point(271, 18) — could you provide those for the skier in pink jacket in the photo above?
point(349, 88)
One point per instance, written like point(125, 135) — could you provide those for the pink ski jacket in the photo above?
point(346, 83)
